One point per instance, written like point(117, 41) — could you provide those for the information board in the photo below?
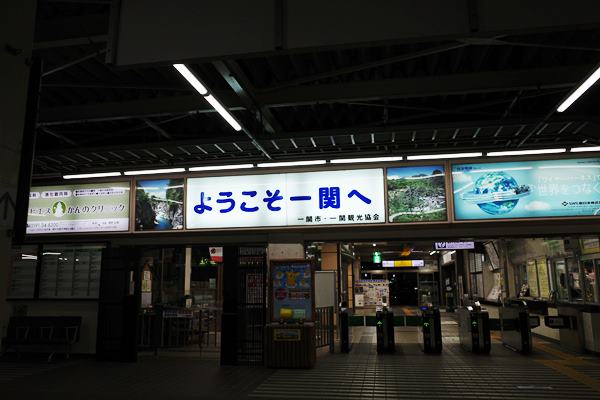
point(98, 207)
point(70, 272)
point(527, 189)
point(292, 291)
point(22, 273)
point(305, 198)
point(375, 292)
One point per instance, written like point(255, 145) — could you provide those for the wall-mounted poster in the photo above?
point(304, 198)
point(527, 189)
point(159, 205)
point(416, 194)
point(292, 290)
point(90, 207)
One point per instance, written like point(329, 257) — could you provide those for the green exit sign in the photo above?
point(377, 257)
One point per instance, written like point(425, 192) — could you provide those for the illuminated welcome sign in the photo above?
point(306, 198)
point(527, 189)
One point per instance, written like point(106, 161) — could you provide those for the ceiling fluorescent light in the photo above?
point(442, 156)
point(224, 113)
point(580, 90)
point(94, 175)
point(364, 160)
point(291, 163)
point(191, 78)
point(220, 167)
point(524, 152)
point(155, 171)
point(584, 149)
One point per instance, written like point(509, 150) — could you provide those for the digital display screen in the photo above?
point(526, 189)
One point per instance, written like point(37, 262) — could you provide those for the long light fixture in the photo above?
point(442, 156)
point(93, 175)
point(220, 167)
point(191, 78)
point(365, 160)
point(584, 149)
point(572, 98)
point(195, 82)
point(223, 112)
point(291, 163)
point(525, 152)
point(155, 171)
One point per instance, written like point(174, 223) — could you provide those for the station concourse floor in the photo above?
point(549, 373)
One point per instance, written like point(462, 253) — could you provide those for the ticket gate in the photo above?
point(516, 324)
point(431, 330)
point(474, 329)
point(386, 342)
point(345, 339)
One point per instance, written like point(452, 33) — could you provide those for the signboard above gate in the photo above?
point(454, 245)
point(306, 198)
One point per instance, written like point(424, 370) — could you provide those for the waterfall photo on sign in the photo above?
point(159, 205)
point(416, 194)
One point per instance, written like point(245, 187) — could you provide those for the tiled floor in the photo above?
point(549, 373)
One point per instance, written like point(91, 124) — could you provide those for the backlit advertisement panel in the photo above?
point(288, 199)
point(94, 207)
point(527, 189)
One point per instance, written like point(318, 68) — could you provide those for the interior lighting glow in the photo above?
point(191, 78)
point(365, 160)
point(291, 163)
point(584, 149)
point(220, 167)
point(224, 113)
point(579, 91)
point(442, 156)
point(94, 175)
point(525, 152)
point(155, 171)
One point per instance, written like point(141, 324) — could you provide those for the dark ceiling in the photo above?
point(393, 99)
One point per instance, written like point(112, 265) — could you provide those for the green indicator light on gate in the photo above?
point(379, 323)
point(474, 323)
point(425, 324)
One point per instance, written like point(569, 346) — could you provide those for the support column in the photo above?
point(16, 42)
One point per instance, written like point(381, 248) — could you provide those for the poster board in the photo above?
point(292, 290)
point(373, 292)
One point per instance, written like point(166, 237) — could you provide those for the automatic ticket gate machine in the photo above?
point(516, 324)
point(474, 329)
point(384, 328)
point(431, 329)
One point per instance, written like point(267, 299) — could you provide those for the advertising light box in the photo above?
point(416, 194)
point(305, 198)
point(98, 207)
point(527, 189)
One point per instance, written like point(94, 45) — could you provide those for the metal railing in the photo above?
point(324, 327)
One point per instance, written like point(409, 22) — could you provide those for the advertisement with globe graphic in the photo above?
point(527, 189)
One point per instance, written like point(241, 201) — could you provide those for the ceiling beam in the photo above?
point(241, 85)
point(481, 82)
point(157, 128)
point(74, 41)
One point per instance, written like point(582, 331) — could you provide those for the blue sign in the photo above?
point(527, 189)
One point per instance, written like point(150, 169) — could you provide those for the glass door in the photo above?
point(590, 269)
point(560, 277)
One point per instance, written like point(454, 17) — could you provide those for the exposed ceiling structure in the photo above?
point(393, 99)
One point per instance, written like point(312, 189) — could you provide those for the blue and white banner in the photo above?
point(305, 198)
point(527, 189)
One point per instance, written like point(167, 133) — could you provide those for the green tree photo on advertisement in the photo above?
point(159, 204)
point(416, 194)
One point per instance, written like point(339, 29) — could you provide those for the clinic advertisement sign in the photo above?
point(98, 207)
point(290, 199)
point(527, 189)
